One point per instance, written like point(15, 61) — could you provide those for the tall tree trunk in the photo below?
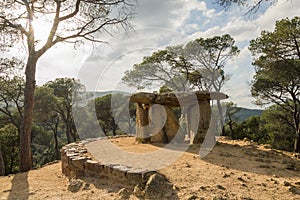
point(73, 131)
point(297, 141)
point(2, 166)
point(56, 150)
point(25, 135)
point(68, 133)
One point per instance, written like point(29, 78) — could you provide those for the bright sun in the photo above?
point(41, 30)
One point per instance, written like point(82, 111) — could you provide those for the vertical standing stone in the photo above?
point(142, 121)
point(157, 119)
point(198, 119)
point(172, 125)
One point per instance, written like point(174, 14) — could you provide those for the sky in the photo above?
point(161, 23)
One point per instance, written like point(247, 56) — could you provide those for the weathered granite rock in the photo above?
point(142, 121)
point(198, 119)
point(75, 185)
point(157, 187)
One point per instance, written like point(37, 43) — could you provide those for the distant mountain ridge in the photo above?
point(245, 113)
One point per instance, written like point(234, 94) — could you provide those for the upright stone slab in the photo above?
point(198, 119)
point(172, 125)
point(157, 119)
point(142, 131)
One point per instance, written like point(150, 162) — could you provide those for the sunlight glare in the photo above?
point(41, 30)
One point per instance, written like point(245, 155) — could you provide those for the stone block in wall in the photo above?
point(119, 172)
point(89, 167)
point(134, 176)
point(78, 162)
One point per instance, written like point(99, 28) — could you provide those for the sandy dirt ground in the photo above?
point(232, 170)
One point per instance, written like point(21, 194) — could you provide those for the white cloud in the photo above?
point(281, 10)
point(240, 29)
point(191, 17)
point(167, 13)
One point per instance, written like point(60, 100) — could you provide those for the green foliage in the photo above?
point(199, 64)
point(42, 146)
point(110, 110)
point(64, 89)
point(231, 119)
point(12, 99)
point(164, 89)
point(274, 127)
point(9, 139)
point(277, 62)
point(209, 57)
point(278, 124)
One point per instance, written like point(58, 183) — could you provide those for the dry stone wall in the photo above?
point(76, 162)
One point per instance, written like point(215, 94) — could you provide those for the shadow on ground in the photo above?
point(20, 187)
point(251, 158)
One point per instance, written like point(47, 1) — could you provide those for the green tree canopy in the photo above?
point(277, 64)
point(199, 64)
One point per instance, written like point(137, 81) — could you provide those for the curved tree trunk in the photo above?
point(25, 135)
point(2, 166)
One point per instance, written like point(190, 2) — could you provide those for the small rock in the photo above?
point(226, 175)
point(262, 184)
point(285, 183)
point(219, 198)
point(246, 198)
point(220, 187)
point(244, 185)
point(124, 193)
point(86, 186)
point(175, 187)
point(110, 190)
point(138, 192)
point(157, 187)
point(241, 179)
point(193, 197)
point(75, 185)
point(203, 188)
point(294, 190)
